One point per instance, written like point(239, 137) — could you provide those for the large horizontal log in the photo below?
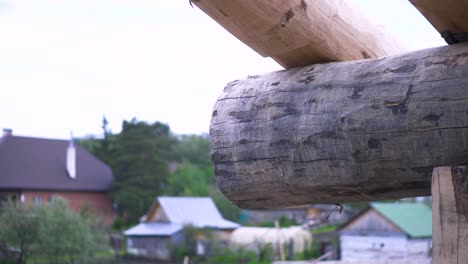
point(448, 16)
point(342, 132)
point(301, 32)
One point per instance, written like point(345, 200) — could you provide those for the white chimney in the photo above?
point(71, 159)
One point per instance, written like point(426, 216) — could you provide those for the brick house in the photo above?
point(32, 170)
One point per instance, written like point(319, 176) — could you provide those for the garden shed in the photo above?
point(388, 231)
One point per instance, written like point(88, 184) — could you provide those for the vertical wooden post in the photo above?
point(280, 241)
point(450, 215)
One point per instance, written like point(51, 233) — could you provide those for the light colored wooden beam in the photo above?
point(450, 215)
point(302, 32)
point(445, 15)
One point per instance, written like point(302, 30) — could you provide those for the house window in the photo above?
point(37, 200)
point(5, 197)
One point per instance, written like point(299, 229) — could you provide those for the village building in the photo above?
point(307, 215)
point(33, 170)
point(293, 239)
point(162, 227)
point(388, 231)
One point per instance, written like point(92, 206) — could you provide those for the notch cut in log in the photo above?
point(448, 16)
point(450, 215)
point(301, 32)
point(342, 132)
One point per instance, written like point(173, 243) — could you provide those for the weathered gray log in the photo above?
point(342, 132)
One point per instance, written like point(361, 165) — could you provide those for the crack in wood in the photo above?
point(408, 131)
point(460, 185)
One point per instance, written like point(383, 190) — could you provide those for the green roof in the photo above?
point(415, 219)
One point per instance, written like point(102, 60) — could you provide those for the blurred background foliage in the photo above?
point(148, 160)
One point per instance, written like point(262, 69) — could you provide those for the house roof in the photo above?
point(412, 219)
point(40, 164)
point(415, 219)
point(197, 211)
point(154, 229)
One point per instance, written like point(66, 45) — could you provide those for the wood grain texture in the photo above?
point(447, 15)
point(450, 215)
point(301, 32)
point(342, 132)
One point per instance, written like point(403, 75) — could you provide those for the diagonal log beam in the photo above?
point(301, 32)
point(448, 16)
point(342, 132)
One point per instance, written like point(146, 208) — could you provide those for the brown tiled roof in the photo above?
point(40, 164)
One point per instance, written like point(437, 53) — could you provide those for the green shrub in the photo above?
point(50, 233)
point(19, 229)
point(64, 235)
point(118, 224)
point(324, 229)
point(239, 256)
point(311, 251)
point(283, 222)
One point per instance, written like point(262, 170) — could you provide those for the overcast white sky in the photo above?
point(65, 64)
